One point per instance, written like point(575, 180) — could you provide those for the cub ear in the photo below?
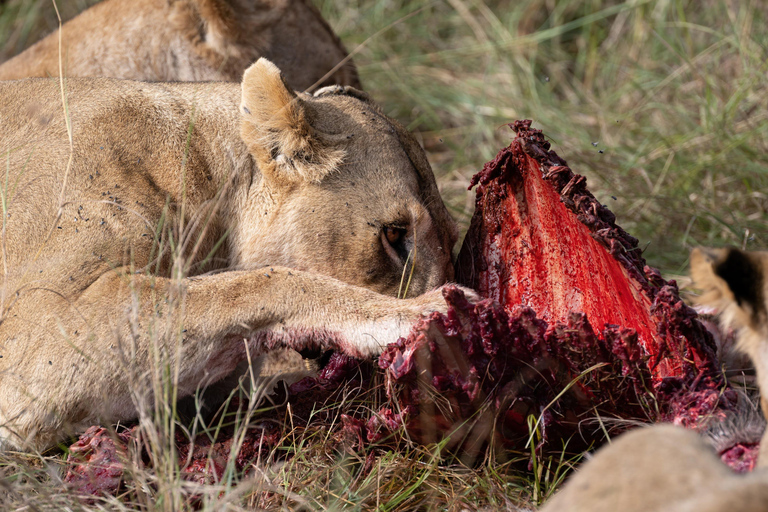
point(732, 282)
point(275, 128)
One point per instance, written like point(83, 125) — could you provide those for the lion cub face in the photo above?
point(733, 283)
point(344, 190)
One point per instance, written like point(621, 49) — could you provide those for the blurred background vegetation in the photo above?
point(661, 104)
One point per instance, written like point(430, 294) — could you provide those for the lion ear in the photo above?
point(729, 278)
point(234, 28)
point(275, 128)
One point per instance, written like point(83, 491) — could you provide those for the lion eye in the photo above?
point(393, 238)
point(394, 235)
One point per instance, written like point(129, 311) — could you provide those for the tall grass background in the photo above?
point(661, 104)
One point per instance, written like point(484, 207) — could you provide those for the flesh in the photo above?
point(575, 332)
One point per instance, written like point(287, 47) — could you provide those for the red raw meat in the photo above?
point(539, 238)
point(578, 327)
point(741, 457)
point(95, 461)
point(575, 328)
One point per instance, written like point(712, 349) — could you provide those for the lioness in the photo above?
point(257, 193)
point(670, 469)
point(191, 40)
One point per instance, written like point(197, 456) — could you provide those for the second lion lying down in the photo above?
point(257, 193)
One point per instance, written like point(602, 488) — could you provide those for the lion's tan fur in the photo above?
point(190, 40)
point(746, 318)
point(667, 468)
point(283, 246)
point(279, 121)
point(660, 469)
point(722, 289)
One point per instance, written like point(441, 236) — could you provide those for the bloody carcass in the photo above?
point(577, 332)
point(575, 336)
